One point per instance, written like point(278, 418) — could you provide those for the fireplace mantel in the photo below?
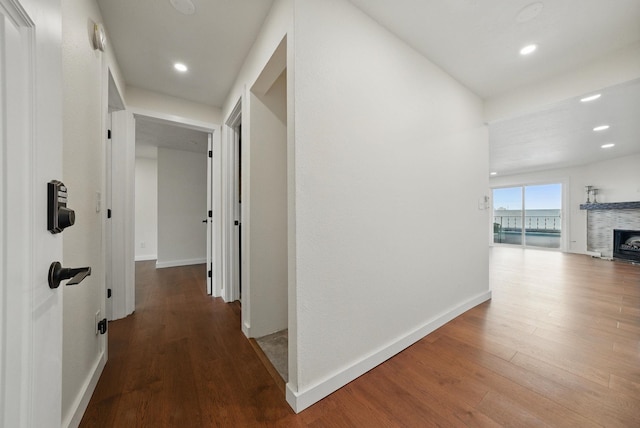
point(611, 206)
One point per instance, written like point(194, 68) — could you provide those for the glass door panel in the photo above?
point(543, 215)
point(507, 215)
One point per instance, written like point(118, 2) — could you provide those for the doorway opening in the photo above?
point(173, 182)
point(258, 166)
point(529, 215)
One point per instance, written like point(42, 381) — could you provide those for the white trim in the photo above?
point(217, 205)
point(186, 262)
point(146, 258)
point(230, 212)
point(209, 210)
point(31, 340)
point(172, 119)
point(82, 400)
point(300, 400)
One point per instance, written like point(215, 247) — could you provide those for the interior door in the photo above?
point(108, 224)
point(209, 217)
point(31, 121)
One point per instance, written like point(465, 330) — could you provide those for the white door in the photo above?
point(108, 307)
point(209, 216)
point(31, 137)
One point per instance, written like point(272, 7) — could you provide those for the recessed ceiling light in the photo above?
point(607, 146)
point(180, 67)
point(529, 49)
point(493, 173)
point(185, 7)
point(601, 128)
point(590, 98)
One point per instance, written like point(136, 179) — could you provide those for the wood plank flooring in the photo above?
point(558, 345)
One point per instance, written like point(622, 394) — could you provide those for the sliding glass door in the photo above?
point(528, 215)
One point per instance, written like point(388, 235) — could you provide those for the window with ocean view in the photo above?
point(528, 215)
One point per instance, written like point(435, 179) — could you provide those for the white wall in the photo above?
point(381, 167)
point(276, 25)
point(182, 205)
point(391, 158)
point(618, 180)
point(146, 224)
point(266, 157)
point(84, 114)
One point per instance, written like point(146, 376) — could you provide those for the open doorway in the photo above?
point(173, 203)
point(257, 251)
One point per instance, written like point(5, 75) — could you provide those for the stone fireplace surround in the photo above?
point(602, 218)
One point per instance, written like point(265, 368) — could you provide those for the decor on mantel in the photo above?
point(591, 191)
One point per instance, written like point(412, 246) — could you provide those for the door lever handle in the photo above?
point(57, 273)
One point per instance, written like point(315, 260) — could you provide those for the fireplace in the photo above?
point(626, 244)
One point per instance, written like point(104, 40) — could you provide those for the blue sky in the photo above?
point(547, 196)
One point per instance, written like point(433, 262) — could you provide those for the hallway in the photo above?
point(181, 360)
point(556, 345)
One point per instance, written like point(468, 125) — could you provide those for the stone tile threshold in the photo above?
point(276, 347)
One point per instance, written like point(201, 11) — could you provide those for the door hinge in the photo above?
point(236, 223)
point(108, 293)
point(210, 153)
point(210, 214)
point(108, 212)
point(108, 134)
point(209, 274)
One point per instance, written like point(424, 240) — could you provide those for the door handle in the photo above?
point(204, 221)
point(57, 273)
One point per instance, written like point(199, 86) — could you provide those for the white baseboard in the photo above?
point(73, 419)
point(174, 263)
point(300, 400)
point(144, 258)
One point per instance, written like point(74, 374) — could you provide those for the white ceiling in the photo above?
point(476, 41)
point(148, 36)
point(562, 135)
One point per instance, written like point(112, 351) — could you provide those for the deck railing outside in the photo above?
point(513, 223)
point(539, 231)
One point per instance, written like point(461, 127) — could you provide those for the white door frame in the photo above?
point(209, 214)
point(232, 211)
point(114, 103)
point(214, 284)
point(31, 155)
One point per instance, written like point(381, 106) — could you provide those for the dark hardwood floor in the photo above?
point(558, 345)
